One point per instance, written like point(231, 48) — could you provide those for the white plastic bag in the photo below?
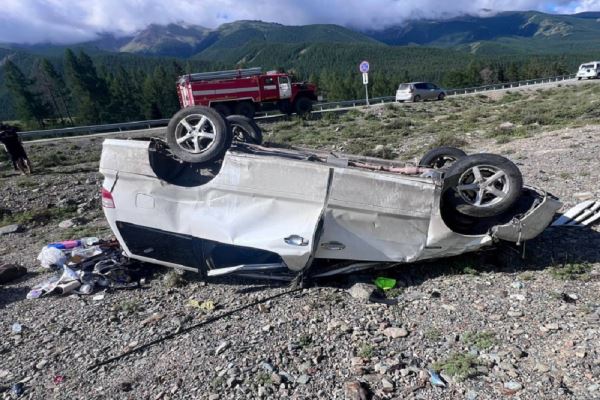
point(51, 256)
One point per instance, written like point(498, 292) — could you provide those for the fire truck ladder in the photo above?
point(234, 73)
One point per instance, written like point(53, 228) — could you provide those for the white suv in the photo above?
point(589, 70)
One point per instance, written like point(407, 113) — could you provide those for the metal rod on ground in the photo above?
point(189, 328)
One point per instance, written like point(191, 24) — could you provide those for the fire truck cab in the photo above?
point(245, 91)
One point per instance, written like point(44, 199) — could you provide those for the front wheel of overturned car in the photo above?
point(244, 129)
point(198, 135)
point(441, 157)
point(483, 185)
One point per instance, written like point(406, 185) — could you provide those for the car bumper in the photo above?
point(403, 96)
point(532, 223)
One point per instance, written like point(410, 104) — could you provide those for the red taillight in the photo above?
point(107, 199)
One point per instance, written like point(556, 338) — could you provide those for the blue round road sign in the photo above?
point(364, 67)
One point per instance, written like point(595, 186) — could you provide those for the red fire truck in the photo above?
point(244, 91)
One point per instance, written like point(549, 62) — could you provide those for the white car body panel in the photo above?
point(589, 70)
point(257, 201)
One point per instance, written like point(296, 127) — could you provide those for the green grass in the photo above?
point(39, 216)
point(365, 351)
point(408, 129)
point(460, 366)
point(571, 271)
point(479, 340)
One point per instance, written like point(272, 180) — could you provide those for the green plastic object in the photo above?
point(385, 283)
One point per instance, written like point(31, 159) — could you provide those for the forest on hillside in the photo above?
point(82, 89)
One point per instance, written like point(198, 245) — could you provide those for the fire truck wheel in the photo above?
point(222, 109)
point(244, 129)
point(303, 105)
point(198, 135)
point(245, 108)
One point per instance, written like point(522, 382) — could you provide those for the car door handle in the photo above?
point(296, 240)
point(333, 245)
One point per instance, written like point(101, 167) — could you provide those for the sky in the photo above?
point(71, 21)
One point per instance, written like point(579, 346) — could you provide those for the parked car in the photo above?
point(417, 91)
point(589, 70)
point(250, 208)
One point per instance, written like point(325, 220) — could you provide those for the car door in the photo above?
point(375, 216)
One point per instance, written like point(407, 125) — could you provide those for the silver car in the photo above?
point(252, 209)
point(418, 91)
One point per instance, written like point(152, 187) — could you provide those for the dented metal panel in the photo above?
point(282, 205)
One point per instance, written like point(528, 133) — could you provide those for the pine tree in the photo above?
point(55, 89)
point(28, 104)
point(124, 102)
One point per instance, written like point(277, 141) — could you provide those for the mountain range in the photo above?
point(507, 32)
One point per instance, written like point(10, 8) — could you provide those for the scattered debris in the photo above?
point(582, 214)
point(435, 379)
point(16, 328)
point(58, 379)
point(84, 265)
point(385, 283)
point(569, 297)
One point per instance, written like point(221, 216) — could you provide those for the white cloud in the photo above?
point(77, 20)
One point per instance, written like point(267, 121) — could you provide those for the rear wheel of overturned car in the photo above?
point(483, 185)
point(441, 157)
point(245, 108)
point(198, 135)
point(416, 99)
point(244, 129)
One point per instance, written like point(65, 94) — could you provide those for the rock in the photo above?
point(519, 297)
point(593, 387)
point(387, 386)
point(213, 396)
point(354, 390)
point(543, 368)
point(222, 347)
point(395, 333)
point(303, 379)
point(267, 367)
point(581, 353)
point(266, 328)
point(506, 126)
point(4, 373)
point(276, 379)
point(515, 313)
point(471, 395)
point(513, 386)
point(125, 386)
point(552, 327)
point(68, 223)
point(582, 196)
point(517, 285)
point(362, 291)
point(41, 364)
point(6, 229)
point(10, 272)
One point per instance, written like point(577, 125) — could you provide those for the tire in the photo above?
point(498, 187)
point(222, 109)
point(441, 157)
point(303, 105)
point(245, 108)
point(441, 96)
point(416, 99)
point(244, 129)
point(203, 144)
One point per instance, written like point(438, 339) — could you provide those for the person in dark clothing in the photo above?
point(11, 141)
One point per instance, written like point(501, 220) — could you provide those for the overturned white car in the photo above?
point(249, 208)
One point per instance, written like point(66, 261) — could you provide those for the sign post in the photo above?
point(364, 68)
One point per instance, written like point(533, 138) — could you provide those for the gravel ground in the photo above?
point(496, 325)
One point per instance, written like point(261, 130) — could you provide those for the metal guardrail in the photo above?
point(317, 107)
